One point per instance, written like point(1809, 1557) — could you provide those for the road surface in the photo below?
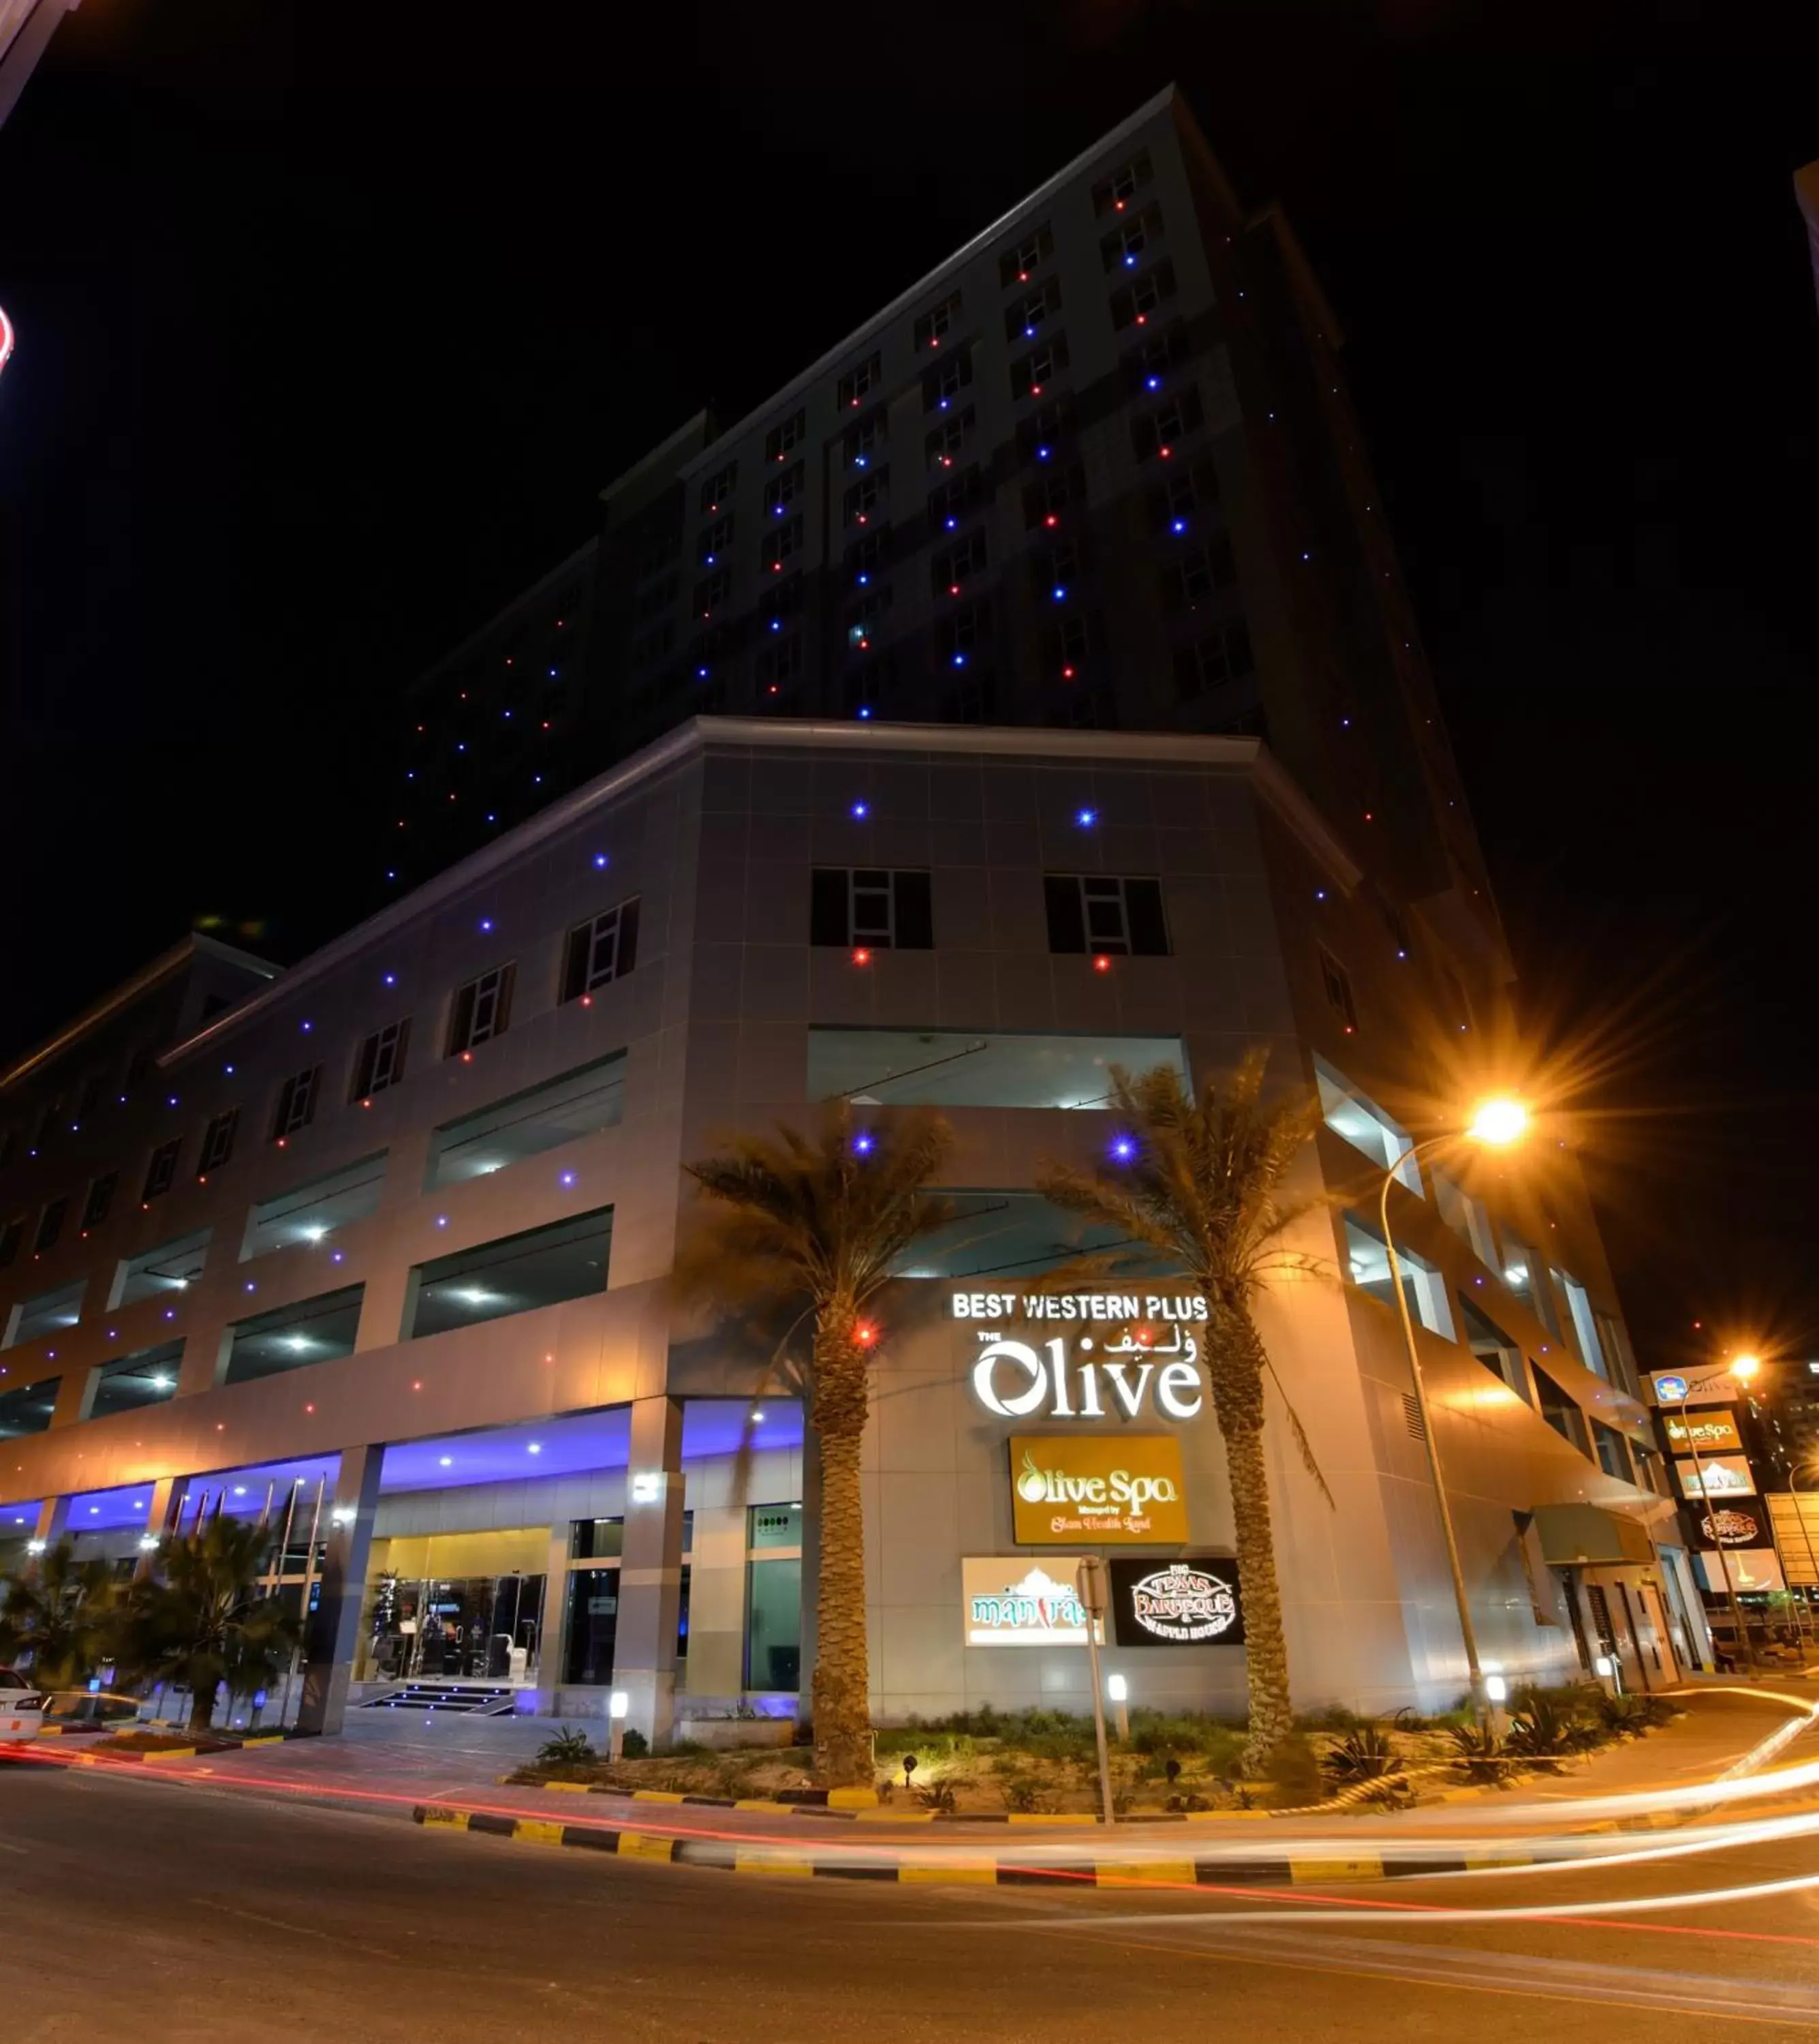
point(204, 1915)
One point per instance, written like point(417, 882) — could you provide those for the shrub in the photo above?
point(1479, 1752)
point(1365, 1755)
point(1293, 1773)
point(1540, 1730)
point(568, 1748)
point(634, 1746)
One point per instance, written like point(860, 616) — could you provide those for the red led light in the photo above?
point(953, 588)
point(1102, 963)
point(1164, 452)
point(861, 957)
point(864, 1333)
point(1067, 673)
point(467, 1057)
point(587, 1000)
point(1051, 520)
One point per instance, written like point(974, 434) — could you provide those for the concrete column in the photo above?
point(650, 1568)
point(811, 1562)
point(334, 1632)
point(716, 1600)
point(161, 1517)
point(53, 1523)
point(553, 1640)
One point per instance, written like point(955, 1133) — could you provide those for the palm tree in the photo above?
point(820, 1222)
point(207, 1621)
point(1198, 1183)
point(59, 1614)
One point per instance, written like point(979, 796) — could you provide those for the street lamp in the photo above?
point(1742, 1368)
point(1496, 1123)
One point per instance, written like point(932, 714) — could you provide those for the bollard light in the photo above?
point(1496, 1689)
point(646, 1486)
point(619, 1704)
point(1117, 1689)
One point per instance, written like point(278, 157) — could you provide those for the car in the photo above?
point(21, 1708)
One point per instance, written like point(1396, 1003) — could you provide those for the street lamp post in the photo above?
point(1497, 1123)
point(1805, 1534)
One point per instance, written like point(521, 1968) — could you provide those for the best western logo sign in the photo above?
point(1141, 1350)
point(1101, 1489)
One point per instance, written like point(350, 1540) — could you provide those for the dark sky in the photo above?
point(332, 323)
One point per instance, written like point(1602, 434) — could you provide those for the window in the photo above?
point(957, 637)
point(1180, 494)
point(951, 566)
point(859, 381)
point(965, 1068)
point(296, 1103)
point(1123, 247)
point(518, 1274)
point(1137, 302)
point(713, 539)
point(525, 1124)
point(1613, 1338)
point(1585, 1326)
point(1024, 316)
point(1159, 433)
point(46, 1313)
point(649, 602)
point(482, 1010)
point(944, 441)
point(29, 1409)
point(50, 1225)
point(1524, 1275)
point(782, 543)
point(779, 663)
point(217, 1143)
point(780, 600)
point(864, 438)
point(1493, 1347)
point(773, 1598)
point(305, 1215)
point(1369, 1263)
point(1114, 194)
point(864, 617)
point(1466, 1217)
point(1032, 374)
point(942, 384)
point(381, 1062)
point(1612, 1452)
point(866, 688)
point(1054, 570)
point(935, 325)
point(1561, 1412)
point(1158, 351)
point(163, 1168)
point(865, 557)
point(129, 1383)
point(782, 490)
point(1040, 433)
point(170, 1266)
point(1337, 983)
point(601, 951)
point(712, 593)
point(1092, 911)
point(1200, 573)
point(11, 1236)
point(948, 502)
point(719, 487)
point(864, 906)
point(1049, 495)
point(1018, 265)
point(1216, 657)
point(294, 1337)
point(1015, 1235)
point(790, 432)
point(862, 499)
point(1358, 1119)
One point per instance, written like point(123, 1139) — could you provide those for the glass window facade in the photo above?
point(308, 1214)
point(580, 1103)
point(147, 1377)
point(294, 1337)
point(514, 1274)
point(962, 1068)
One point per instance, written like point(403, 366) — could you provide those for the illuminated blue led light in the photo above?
point(959, 661)
point(1086, 818)
point(865, 709)
point(567, 1178)
point(1152, 382)
point(861, 811)
point(1060, 594)
point(1130, 261)
point(391, 979)
point(700, 673)
point(951, 522)
point(1177, 525)
point(864, 1142)
point(1042, 453)
point(1123, 1148)
point(600, 861)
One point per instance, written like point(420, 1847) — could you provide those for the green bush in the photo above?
point(1364, 1755)
point(568, 1748)
point(1480, 1751)
point(634, 1746)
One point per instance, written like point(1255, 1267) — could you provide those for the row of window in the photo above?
point(603, 949)
point(876, 908)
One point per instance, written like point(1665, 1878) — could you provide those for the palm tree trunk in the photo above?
point(841, 1695)
point(202, 1706)
point(1235, 1366)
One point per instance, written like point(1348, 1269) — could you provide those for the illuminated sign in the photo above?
point(1097, 1490)
point(1142, 1352)
point(1714, 1477)
point(1675, 1387)
point(1176, 1604)
point(1752, 1571)
point(1701, 1430)
point(1011, 1601)
point(1731, 1525)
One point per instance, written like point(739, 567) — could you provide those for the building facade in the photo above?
point(378, 1247)
point(1098, 469)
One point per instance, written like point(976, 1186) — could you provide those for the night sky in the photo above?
point(333, 323)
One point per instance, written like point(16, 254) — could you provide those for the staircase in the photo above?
point(478, 1700)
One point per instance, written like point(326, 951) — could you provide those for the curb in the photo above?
point(1282, 1869)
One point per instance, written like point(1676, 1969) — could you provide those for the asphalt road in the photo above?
point(199, 1916)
